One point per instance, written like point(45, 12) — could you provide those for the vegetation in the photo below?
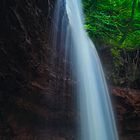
point(116, 24)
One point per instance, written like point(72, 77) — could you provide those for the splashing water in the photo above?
point(96, 115)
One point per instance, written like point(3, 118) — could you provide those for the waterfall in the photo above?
point(93, 102)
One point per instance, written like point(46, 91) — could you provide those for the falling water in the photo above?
point(93, 101)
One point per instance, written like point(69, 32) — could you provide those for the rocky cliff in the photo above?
point(127, 106)
point(35, 101)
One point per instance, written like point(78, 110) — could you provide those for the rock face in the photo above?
point(36, 98)
point(35, 95)
point(127, 105)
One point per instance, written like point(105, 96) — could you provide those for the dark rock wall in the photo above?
point(35, 95)
point(127, 106)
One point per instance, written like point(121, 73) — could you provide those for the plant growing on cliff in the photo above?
point(116, 23)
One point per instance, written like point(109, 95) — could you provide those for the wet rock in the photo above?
point(127, 105)
point(35, 95)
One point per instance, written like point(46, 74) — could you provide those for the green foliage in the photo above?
point(114, 22)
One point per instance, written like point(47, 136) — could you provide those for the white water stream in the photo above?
point(96, 115)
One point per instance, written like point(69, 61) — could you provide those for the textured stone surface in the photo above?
point(35, 95)
point(127, 105)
